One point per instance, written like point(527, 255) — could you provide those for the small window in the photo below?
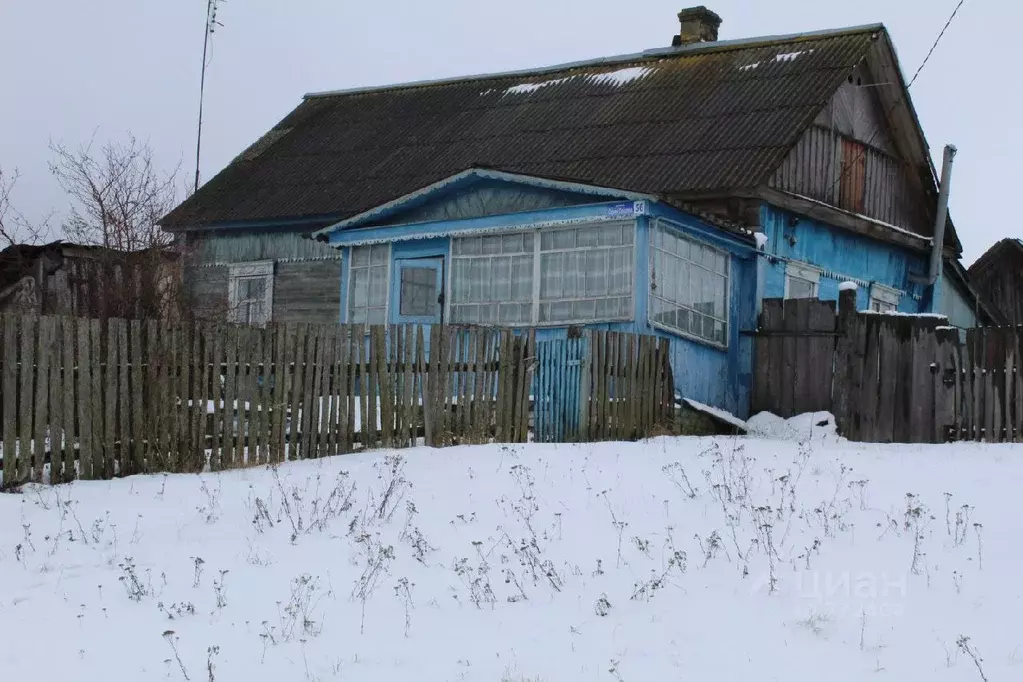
point(367, 284)
point(883, 299)
point(801, 281)
point(250, 292)
point(418, 292)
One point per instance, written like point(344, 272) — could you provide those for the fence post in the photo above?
point(841, 386)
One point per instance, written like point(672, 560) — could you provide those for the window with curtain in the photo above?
point(492, 278)
point(688, 286)
point(367, 284)
point(585, 275)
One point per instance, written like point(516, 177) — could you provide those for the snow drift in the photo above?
point(781, 556)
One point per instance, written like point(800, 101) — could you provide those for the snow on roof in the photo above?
point(847, 286)
point(613, 78)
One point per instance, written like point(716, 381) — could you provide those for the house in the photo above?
point(998, 277)
point(667, 191)
point(60, 278)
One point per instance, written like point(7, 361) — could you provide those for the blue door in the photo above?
point(417, 288)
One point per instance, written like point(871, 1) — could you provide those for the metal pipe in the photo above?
point(942, 217)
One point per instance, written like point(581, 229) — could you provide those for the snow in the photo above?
point(621, 76)
point(748, 67)
point(790, 555)
point(724, 416)
point(896, 313)
point(528, 88)
point(847, 286)
point(788, 56)
point(613, 78)
point(761, 240)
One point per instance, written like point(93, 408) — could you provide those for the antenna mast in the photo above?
point(211, 25)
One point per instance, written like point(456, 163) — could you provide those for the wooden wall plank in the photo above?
point(97, 409)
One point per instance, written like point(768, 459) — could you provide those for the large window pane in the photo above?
point(418, 291)
point(689, 286)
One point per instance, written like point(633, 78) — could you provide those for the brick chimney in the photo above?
point(699, 25)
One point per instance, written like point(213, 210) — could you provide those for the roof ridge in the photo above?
point(646, 55)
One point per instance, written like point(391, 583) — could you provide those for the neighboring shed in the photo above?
point(998, 277)
point(60, 278)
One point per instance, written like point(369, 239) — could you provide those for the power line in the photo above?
point(877, 127)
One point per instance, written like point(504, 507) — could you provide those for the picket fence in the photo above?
point(91, 399)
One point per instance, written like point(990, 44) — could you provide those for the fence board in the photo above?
point(56, 399)
point(42, 378)
point(384, 391)
point(26, 401)
point(97, 431)
point(10, 398)
point(72, 438)
point(85, 399)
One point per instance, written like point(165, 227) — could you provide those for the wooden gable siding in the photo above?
point(998, 277)
point(847, 159)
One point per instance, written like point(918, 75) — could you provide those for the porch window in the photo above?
point(688, 286)
point(558, 275)
point(586, 273)
point(492, 279)
point(801, 281)
point(250, 292)
point(367, 284)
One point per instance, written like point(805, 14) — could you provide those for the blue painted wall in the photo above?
point(716, 376)
point(842, 255)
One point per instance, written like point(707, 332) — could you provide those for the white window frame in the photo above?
point(387, 282)
point(883, 299)
point(250, 270)
point(660, 224)
point(537, 233)
point(806, 273)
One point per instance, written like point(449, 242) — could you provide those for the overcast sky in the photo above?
point(69, 68)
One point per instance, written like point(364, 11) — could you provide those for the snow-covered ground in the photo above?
point(788, 555)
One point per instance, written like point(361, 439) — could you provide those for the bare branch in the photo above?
point(14, 227)
point(117, 194)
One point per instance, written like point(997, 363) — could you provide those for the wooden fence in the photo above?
point(82, 398)
point(889, 378)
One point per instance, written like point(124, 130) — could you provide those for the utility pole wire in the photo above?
point(211, 24)
point(877, 127)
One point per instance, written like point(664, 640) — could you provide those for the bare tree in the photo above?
point(117, 194)
point(14, 227)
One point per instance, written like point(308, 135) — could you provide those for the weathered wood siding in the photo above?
point(847, 159)
point(206, 291)
point(308, 291)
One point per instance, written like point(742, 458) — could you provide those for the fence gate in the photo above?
point(556, 389)
point(794, 356)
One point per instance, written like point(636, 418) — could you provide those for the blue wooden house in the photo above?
point(664, 192)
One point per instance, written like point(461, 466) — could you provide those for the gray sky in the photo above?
point(72, 67)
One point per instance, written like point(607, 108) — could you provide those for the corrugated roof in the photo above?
point(679, 121)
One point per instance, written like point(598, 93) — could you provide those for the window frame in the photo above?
point(535, 300)
point(726, 319)
point(886, 296)
point(806, 273)
point(387, 281)
point(236, 272)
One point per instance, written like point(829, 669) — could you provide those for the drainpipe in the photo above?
point(942, 217)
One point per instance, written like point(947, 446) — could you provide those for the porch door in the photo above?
point(419, 285)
